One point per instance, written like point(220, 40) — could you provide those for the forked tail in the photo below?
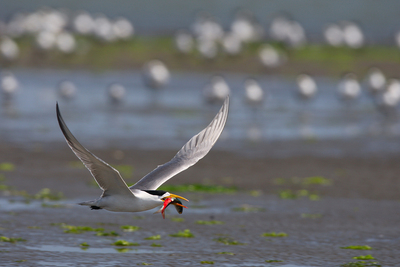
point(91, 203)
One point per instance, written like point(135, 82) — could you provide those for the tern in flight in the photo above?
point(143, 195)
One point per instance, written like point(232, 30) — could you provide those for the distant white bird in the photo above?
point(288, 31)
point(184, 41)
point(307, 87)
point(155, 74)
point(388, 100)
point(116, 93)
point(46, 40)
point(334, 35)
point(254, 94)
point(9, 48)
point(245, 27)
point(376, 80)
point(123, 28)
point(217, 90)
point(9, 85)
point(103, 28)
point(349, 88)
point(143, 195)
point(207, 48)
point(280, 26)
point(206, 27)
point(83, 23)
point(67, 90)
point(352, 34)
point(271, 57)
point(232, 44)
point(296, 37)
point(65, 42)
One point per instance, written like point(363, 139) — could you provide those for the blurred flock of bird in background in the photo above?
point(69, 33)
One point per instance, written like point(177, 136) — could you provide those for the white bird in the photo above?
point(83, 23)
point(123, 28)
point(334, 35)
point(217, 90)
point(116, 93)
point(270, 57)
point(184, 41)
point(349, 88)
point(67, 90)
point(143, 195)
point(307, 87)
point(232, 44)
point(254, 94)
point(352, 34)
point(9, 48)
point(376, 81)
point(389, 100)
point(65, 42)
point(9, 85)
point(155, 74)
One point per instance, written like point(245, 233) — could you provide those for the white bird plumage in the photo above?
point(117, 196)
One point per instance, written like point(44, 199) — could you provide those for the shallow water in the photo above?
point(55, 248)
point(310, 242)
point(171, 117)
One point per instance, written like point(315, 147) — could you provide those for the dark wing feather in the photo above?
point(106, 176)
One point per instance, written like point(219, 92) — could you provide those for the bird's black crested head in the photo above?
point(156, 192)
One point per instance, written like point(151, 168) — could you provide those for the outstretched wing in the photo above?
point(106, 176)
point(190, 153)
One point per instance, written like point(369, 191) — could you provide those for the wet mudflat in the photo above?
point(281, 212)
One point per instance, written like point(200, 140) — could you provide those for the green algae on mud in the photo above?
point(366, 257)
point(207, 262)
point(7, 166)
point(290, 194)
point(185, 233)
point(316, 180)
point(365, 247)
point(228, 241)
point(212, 222)
point(124, 243)
point(123, 250)
point(11, 239)
point(111, 233)
point(47, 194)
point(72, 229)
point(362, 264)
point(177, 219)
point(129, 228)
point(153, 237)
point(273, 234)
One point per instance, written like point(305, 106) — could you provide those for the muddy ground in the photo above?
point(359, 206)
